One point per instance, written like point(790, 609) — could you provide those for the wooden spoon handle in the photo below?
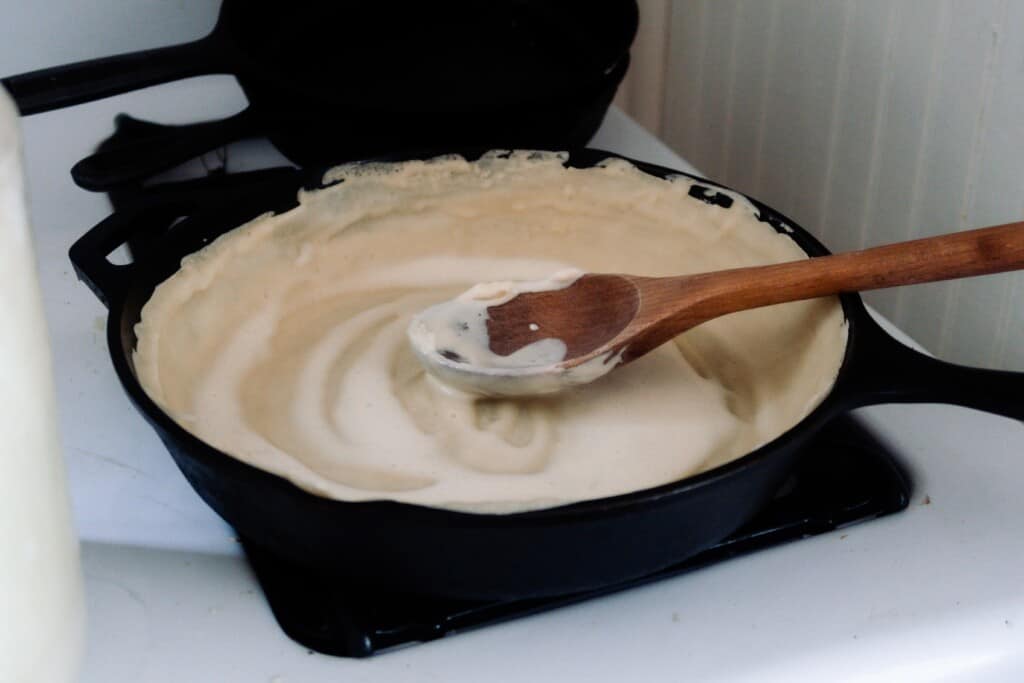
point(962, 254)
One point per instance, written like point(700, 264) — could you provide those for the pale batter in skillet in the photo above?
point(284, 343)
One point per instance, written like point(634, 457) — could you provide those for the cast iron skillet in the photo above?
point(139, 149)
point(330, 81)
point(482, 556)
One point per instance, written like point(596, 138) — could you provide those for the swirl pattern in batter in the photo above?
point(284, 342)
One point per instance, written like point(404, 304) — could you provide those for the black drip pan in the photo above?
point(845, 476)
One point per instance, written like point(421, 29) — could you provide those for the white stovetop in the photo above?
point(934, 593)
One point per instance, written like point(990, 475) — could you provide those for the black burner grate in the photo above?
point(847, 476)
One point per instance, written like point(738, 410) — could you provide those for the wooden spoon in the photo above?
point(619, 318)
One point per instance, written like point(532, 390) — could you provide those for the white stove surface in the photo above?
point(933, 593)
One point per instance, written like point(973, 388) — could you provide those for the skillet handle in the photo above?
point(154, 211)
point(157, 148)
point(70, 84)
point(89, 254)
point(888, 371)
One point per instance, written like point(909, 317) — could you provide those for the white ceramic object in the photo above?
point(41, 603)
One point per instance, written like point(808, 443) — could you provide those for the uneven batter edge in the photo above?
point(283, 343)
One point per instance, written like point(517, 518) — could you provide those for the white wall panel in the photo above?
point(642, 91)
point(867, 122)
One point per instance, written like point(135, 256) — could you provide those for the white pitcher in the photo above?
point(41, 602)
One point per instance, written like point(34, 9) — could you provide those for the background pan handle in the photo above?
point(63, 86)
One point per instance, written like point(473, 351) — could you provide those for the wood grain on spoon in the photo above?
point(602, 313)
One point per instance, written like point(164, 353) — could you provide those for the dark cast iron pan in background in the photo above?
point(431, 551)
point(333, 81)
point(139, 149)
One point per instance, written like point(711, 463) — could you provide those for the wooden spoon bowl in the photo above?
point(614, 319)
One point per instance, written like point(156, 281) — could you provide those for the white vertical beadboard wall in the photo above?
point(866, 122)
